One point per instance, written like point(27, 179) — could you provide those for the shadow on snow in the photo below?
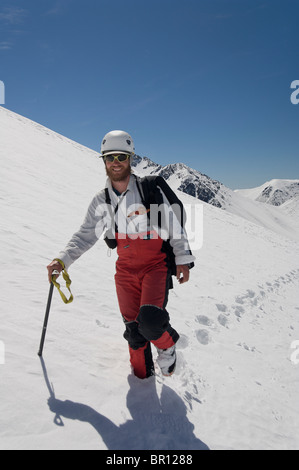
point(156, 424)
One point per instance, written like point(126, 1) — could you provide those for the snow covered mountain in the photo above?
point(279, 197)
point(275, 192)
point(237, 381)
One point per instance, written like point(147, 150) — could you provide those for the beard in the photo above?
point(119, 175)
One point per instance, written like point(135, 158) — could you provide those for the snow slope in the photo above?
point(235, 387)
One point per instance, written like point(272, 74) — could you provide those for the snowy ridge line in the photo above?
point(45, 130)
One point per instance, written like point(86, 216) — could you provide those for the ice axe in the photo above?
point(66, 277)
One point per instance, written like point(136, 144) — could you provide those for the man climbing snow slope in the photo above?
point(138, 218)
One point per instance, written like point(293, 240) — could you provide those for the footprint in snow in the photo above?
point(223, 320)
point(203, 337)
point(101, 325)
point(222, 317)
point(239, 311)
point(203, 320)
point(221, 307)
point(183, 342)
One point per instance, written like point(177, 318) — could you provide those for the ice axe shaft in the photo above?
point(42, 341)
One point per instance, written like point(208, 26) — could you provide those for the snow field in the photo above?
point(235, 385)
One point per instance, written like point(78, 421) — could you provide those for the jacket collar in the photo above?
point(131, 185)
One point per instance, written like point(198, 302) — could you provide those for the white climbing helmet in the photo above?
point(117, 141)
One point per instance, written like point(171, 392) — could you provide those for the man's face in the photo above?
point(118, 171)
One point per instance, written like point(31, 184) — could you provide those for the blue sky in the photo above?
point(204, 82)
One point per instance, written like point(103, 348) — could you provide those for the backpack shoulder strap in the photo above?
point(145, 188)
point(173, 199)
point(107, 196)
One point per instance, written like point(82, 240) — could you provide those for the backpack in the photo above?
point(148, 188)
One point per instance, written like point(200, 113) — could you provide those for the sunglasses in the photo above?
point(120, 158)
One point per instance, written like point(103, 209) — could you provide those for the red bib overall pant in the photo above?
point(142, 284)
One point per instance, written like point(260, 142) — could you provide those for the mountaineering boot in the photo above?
point(167, 360)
